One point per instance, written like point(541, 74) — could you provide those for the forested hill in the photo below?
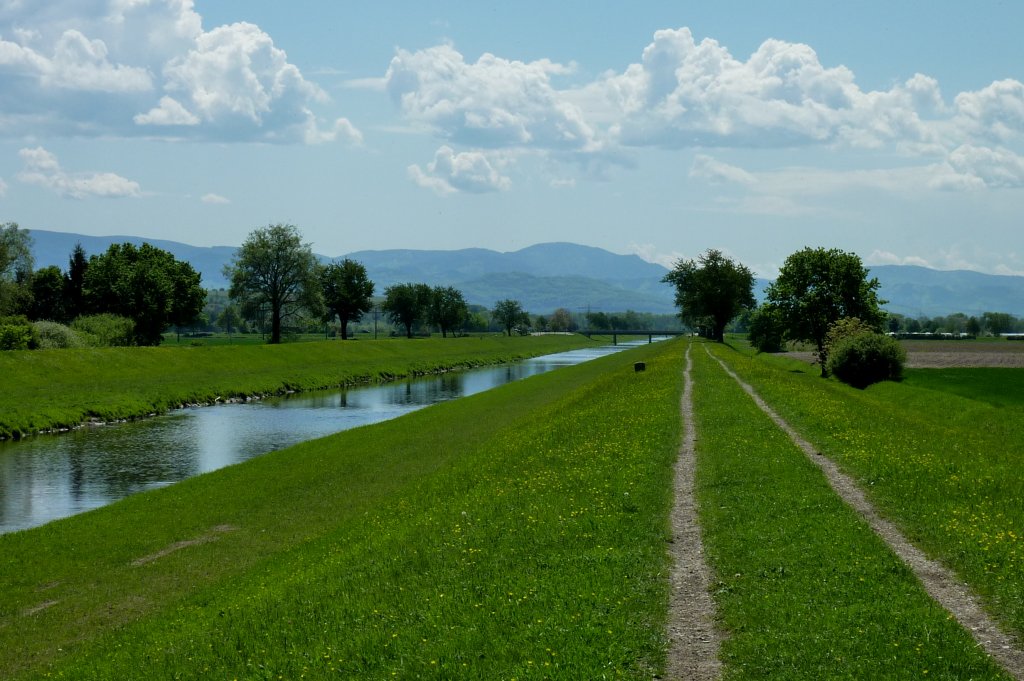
point(546, 276)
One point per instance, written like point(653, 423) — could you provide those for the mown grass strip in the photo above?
point(518, 533)
point(46, 389)
point(805, 589)
point(944, 468)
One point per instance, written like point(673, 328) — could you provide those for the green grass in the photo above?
point(805, 589)
point(46, 389)
point(518, 533)
point(944, 468)
point(998, 387)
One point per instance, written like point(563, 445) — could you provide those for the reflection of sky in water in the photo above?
point(53, 476)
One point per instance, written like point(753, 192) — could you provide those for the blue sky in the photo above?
point(894, 130)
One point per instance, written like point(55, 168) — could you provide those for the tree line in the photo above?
point(821, 296)
point(131, 295)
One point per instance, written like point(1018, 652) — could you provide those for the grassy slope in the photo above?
point(945, 468)
point(46, 389)
point(805, 588)
point(516, 533)
point(999, 387)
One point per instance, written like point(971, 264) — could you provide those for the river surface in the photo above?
point(54, 476)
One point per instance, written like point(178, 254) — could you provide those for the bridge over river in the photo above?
point(615, 333)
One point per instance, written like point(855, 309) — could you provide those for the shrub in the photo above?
point(17, 333)
point(865, 357)
point(765, 333)
point(57, 336)
point(105, 330)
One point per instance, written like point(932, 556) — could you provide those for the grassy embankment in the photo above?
point(939, 454)
point(46, 389)
point(517, 533)
point(805, 588)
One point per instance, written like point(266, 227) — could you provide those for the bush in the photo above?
point(57, 336)
point(765, 332)
point(17, 333)
point(866, 357)
point(105, 330)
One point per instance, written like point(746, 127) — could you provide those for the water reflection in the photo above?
point(49, 477)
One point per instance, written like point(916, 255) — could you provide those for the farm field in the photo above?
point(951, 354)
point(47, 389)
point(517, 533)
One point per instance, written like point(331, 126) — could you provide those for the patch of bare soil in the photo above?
point(951, 354)
point(940, 583)
point(212, 535)
point(693, 638)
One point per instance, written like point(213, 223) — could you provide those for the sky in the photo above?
point(894, 130)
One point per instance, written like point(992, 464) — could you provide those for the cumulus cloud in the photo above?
point(708, 168)
point(492, 102)
point(42, 168)
point(451, 172)
point(161, 73)
point(215, 199)
point(881, 257)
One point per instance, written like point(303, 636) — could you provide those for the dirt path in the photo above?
point(693, 639)
point(939, 582)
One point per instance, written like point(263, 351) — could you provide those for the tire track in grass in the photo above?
point(694, 640)
point(938, 582)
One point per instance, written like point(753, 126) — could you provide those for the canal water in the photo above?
point(53, 476)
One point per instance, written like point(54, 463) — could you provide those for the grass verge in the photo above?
point(804, 588)
point(518, 533)
point(47, 389)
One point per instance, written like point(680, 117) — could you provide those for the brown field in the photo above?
point(947, 354)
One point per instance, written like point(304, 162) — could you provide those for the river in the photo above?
point(54, 476)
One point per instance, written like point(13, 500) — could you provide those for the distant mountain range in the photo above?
point(546, 276)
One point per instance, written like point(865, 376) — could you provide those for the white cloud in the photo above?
point(881, 257)
point(42, 168)
point(148, 67)
point(469, 171)
point(493, 102)
point(708, 168)
point(3, 188)
point(651, 253)
point(215, 199)
point(997, 167)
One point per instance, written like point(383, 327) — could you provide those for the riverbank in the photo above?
point(517, 532)
point(53, 389)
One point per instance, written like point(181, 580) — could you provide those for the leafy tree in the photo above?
point(561, 320)
point(145, 284)
point(229, 319)
point(508, 313)
point(406, 304)
point(448, 309)
point(74, 282)
point(48, 295)
point(15, 268)
point(766, 331)
point(997, 322)
point(105, 330)
point(347, 291)
point(598, 321)
point(273, 268)
point(710, 291)
point(973, 326)
point(818, 287)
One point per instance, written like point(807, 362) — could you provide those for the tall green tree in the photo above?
point(818, 287)
point(15, 269)
point(274, 269)
point(448, 309)
point(406, 305)
point(229, 319)
point(48, 295)
point(145, 284)
point(711, 291)
point(74, 281)
point(347, 291)
point(508, 313)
